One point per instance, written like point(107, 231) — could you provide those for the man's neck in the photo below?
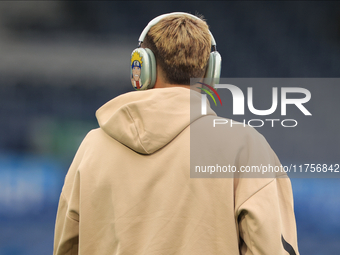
point(167, 85)
point(161, 82)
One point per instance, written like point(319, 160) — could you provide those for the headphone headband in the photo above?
point(157, 19)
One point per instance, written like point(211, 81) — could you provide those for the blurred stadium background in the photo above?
point(62, 60)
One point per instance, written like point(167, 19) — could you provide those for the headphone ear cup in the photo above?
point(143, 72)
point(143, 69)
point(213, 73)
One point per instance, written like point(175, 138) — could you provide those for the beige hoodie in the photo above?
point(129, 191)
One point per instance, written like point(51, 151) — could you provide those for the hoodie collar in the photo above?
point(146, 121)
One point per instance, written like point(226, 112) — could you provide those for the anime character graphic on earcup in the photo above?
point(136, 67)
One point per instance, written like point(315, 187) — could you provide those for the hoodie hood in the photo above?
point(146, 121)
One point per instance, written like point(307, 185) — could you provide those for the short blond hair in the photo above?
point(181, 45)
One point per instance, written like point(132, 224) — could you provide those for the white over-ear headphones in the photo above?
point(143, 62)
